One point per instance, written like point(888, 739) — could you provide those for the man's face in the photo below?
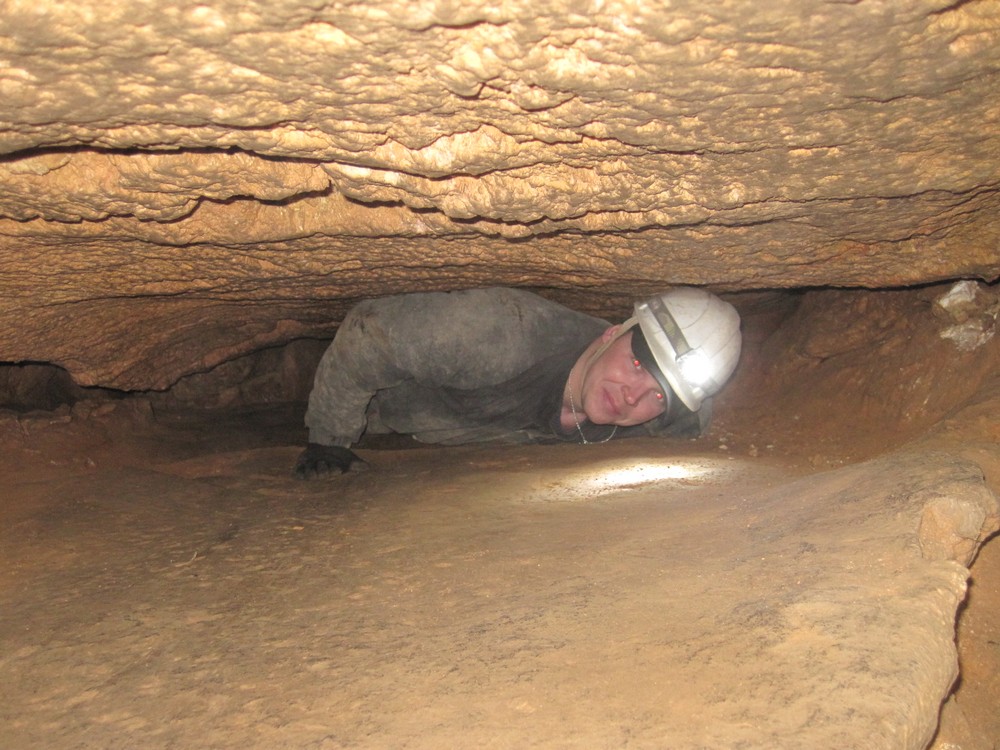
point(617, 390)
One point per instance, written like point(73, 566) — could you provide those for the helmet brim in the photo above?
point(664, 369)
point(642, 352)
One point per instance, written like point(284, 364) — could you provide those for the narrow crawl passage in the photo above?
point(476, 596)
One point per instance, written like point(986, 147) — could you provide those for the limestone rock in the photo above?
point(500, 597)
point(184, 183)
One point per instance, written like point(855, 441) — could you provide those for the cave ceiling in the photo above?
point(182, 183)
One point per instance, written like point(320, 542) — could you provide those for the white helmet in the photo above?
point(689, 339)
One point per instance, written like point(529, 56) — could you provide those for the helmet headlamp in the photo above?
point(694, 339)
point(696, 368)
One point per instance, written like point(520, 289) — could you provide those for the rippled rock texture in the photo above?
point(184, 183)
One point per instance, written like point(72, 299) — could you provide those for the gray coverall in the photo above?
point(456, 367)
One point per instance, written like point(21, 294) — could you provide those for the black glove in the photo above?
point(318, 460)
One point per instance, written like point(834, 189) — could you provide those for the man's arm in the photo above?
point(360, 362)
point(462, 340)
point(356, 365)
point(317, 460)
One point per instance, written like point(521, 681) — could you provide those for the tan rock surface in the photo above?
point(247, 171)
point(476, 597)
point(791, 580)
point(184, 184)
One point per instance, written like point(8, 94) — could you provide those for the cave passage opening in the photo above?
point(843, 373)
point(194, 482)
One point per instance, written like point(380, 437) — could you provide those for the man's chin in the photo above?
point(604, 419)
point(608, 420)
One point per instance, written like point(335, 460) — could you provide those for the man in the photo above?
point(507, 365)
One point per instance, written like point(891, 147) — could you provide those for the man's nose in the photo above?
point(640, 386)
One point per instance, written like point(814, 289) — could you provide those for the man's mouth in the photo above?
point(612, 404)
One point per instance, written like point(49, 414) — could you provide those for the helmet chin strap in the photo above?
point(586, 368)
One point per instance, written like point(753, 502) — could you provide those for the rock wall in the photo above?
point(183, 183)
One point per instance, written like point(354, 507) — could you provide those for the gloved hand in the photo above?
point(318, 460)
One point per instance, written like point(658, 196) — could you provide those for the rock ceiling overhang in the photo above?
point(185, 182)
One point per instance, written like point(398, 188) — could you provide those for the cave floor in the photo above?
point(180, 589)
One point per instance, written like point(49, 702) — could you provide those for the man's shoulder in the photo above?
point(485, 304)
point(479, 295)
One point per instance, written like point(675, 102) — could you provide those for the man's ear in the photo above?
point(610, 333)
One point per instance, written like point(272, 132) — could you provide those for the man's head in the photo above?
point(680, 345)
point(615, 388)
point(690, 340)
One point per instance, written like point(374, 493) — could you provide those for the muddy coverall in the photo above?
point(456, 367)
